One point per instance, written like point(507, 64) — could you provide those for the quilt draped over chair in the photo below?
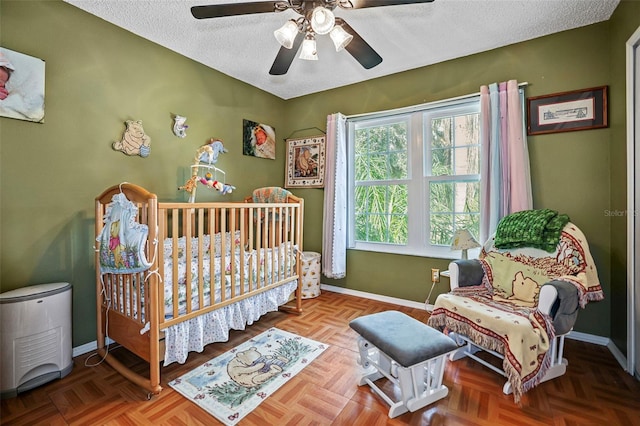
point(501, 314)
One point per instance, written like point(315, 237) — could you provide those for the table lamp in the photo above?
point(463, 240)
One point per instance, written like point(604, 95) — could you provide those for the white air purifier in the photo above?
point(35, 346)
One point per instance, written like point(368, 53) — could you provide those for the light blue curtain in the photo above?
point(334, 231)
point(505, 170)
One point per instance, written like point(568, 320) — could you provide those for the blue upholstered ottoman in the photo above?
point(406, 351)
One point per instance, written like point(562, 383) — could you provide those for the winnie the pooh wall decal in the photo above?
point(134, 141)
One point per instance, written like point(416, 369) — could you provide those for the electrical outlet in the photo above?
point(435, 275)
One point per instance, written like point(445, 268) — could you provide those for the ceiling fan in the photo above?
point(316, 17)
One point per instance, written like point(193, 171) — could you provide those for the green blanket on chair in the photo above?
point(531, 228)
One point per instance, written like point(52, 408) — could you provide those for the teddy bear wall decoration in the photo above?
point(134, 141)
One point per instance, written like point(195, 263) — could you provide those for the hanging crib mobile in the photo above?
point(204, 171)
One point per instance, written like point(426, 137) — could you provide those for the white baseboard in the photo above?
point(589, 338)
point(619, 356)
point(378, 297)
point(88, 347)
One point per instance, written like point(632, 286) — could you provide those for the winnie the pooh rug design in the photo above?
point(231, 385)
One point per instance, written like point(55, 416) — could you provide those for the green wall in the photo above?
point(98, 76)
point(624, 22)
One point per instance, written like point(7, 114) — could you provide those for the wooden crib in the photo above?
point(238, 252)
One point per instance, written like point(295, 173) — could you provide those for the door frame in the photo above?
point(633, 213)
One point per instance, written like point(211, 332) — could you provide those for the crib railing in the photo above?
point(265, 238)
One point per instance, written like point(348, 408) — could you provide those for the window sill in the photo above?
point(443, 253)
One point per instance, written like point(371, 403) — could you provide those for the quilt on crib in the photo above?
point(262, 265)
point(500, 314)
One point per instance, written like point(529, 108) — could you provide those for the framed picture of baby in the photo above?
point(305, 162)
point(21, 86)
point(258, 139)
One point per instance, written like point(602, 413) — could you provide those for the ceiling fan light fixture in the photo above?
point(340, 37)
point(308, 51)
point(322, 20)
point(286, 34)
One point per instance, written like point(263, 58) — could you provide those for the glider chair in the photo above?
point(520, 298)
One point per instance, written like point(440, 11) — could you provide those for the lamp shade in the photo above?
point(463, 240)
point(340, 37)
point(308, 50)
point(322, 20)
point(286, 34)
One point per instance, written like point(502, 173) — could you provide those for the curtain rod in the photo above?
point(403, 110)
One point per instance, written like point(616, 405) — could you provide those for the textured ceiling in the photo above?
point(406, 36)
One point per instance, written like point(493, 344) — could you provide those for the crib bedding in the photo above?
point(272, 263)
point(265, 263)
point(196, 333)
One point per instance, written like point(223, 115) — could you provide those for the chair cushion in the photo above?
point(406, 340)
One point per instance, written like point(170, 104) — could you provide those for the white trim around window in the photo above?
point(418, 174)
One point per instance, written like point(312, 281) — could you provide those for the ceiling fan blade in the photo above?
point(360, 49)
point(360, 4)
point(232, 9)
point(285, 57)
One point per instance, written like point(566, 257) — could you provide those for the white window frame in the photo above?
point(417, 181)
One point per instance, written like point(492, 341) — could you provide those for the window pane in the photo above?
point(378, 139)
point(398, 165)
point(467, 197)
point(467, 160)
point(381, 214)
point(360, 143)
point(398, 199)
point(378, 167)
point(398, 137)
point(441, 196)
point(361, 167)
point(455, 145)
point(468, 221)
point(453, 205)
point(441, 229)
point(382, 150)
point(441, 162)
point(466, 129)
point(377, 199)
point(377, 228)
point(441, 132)
point(399, 229)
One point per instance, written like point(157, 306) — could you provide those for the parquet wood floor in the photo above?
point(595, 390)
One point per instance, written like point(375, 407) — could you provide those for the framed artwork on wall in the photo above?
point(305, 162)
point(567, 111)
point(259, 140)
point(21, 86)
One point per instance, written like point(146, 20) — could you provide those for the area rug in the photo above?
point(231, 385)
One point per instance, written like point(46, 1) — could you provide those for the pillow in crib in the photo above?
point(206, 245)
